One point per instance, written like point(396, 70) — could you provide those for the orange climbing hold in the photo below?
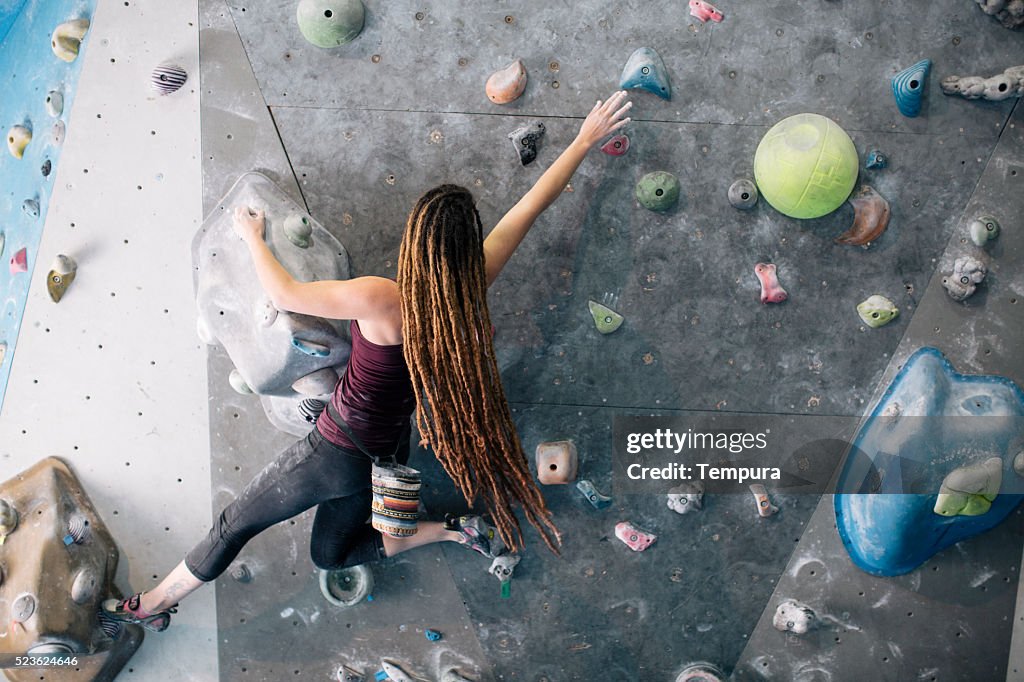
point(506, 85)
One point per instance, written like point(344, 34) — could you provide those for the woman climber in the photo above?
point(422, 340)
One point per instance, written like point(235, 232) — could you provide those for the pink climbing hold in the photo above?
point(636, 539)
point(705, 10)
point(617, 146)
point(771, 290)
point(19, 262)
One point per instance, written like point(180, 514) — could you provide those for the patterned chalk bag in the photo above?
point(394, 508)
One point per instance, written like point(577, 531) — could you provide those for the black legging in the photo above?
point(311, 472)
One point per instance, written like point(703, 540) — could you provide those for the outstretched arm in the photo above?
point(604, 119)
point(355, 299)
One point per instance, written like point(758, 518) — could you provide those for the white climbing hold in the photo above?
point(238, 383)
point(67, 38)
point(394, 672)
point(796, 617)
point(18, 138)
point(168, 78)
point(686, 497)
point(54, 104)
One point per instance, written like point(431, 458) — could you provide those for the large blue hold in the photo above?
point(645, 69)
point(908, 87)
point(930, 421)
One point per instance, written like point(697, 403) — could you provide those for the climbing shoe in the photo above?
point(477, 534)
point(130, 611)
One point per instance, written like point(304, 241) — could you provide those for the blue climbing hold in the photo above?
point(876, 160)
point(930, 422)
point(908, 87)
point(432, 635)
point(593, 495)
point(645, 69)
point(317, 350)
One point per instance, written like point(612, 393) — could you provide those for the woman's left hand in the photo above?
point(248, 223)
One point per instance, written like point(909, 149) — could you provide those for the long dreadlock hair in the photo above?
point(463, 414)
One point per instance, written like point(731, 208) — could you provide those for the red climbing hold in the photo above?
point(617, 146)
point(705, 10)
point(771, 290)
point(19, 262)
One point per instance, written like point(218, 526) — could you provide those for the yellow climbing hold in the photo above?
point(18, 138)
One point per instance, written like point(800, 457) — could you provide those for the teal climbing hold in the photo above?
point(658, 191)
point(645, 69)
point(330, 23)
point(908, 87)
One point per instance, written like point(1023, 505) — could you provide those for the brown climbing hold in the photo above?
point(60, 277)
point(557, 462)
point(870, 217)
point(507, 84)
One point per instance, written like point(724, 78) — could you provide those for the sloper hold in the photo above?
point(616, 146)
point(606, 319)
point(771, 290)
point(983, 229)
point(970, 490)
point(705, 10)
point(67, 39)
point(330, 23)
point(60, 277)
point(57, 133)
point(346, 586)
point(18, 138)
point(30, 207)
point(557, 462)
point(658, 191)
point(526, 141)
point(701, 672)
point(908, 87)
point(505, 85)
point(645, 69)
point(870, 217)
point(299, 230)
point(967, 415)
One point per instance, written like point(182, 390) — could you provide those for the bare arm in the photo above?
point(604, 119)
point(362, 298)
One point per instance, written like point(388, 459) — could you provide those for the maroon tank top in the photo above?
point(374, 397)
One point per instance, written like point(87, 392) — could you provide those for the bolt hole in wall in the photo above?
point(29, 73)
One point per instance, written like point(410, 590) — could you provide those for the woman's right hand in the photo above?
point(248, 223)
point(604, 119)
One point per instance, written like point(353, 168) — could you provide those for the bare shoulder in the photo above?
point(382, 322)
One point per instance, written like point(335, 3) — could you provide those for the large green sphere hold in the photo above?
point(329, 23)
point(805, 166)
point(657, 191)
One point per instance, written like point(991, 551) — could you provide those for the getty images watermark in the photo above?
point(727, 453)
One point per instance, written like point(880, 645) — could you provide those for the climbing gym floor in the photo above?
point(115, 380)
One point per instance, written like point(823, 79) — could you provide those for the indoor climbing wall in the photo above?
point(111, 379)
point(356, 133)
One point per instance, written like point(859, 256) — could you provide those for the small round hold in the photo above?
point(743, 194)
point(240, 573)
point(876, 160)
point(54, 104)
point(238, 383)
point(46, 168)
point(658, 191)
point(983, 229)
point(8, 514)
point(299, 230)
point(168, 78)
point(78, 529)
point(1018, 463)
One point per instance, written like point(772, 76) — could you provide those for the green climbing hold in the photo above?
point(983, 229)
point(658, 191)
point(330, 23)
point(970, 490)
point(606, 319)
point(299, 230)
point(877, 311)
